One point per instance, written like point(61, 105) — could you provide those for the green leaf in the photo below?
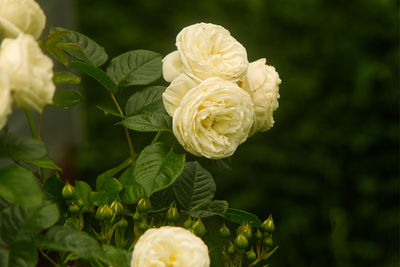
point(147, 100)
point(20, 147)
point(18, 185)
point(112, 187)
point(54, 37)
point(44, 162)
point(67, 98)
point(109, 110)
point(58, 54)
point(17, 223)
point(90, 52)
point(240, 216)
point(157, 168)
point(115, 257)
point(105, 176)
point(96, 74)
point(210, 208)
point(98, 198)
point(65, 77)
point(194, 185)
point(136, 67)
point(52, 188)
point(148, 122)
point(66, 239)
point(132, 193)
point(19, 254)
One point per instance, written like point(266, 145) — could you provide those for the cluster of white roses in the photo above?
point(216, 97)
point(170, 246)
point(25, 72)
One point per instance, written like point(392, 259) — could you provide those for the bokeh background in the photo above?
point(328, 170)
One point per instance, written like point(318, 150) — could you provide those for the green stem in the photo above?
point(31, 123)
point(156, 137)
point(127, 134)
point(48, 258)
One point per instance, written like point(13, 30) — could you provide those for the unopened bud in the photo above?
point(268, 241)
point(172, 214)
point(80, 203)
point(107, 212)
point(268, 225)
point(246, 230)
point(188, 223)
point(74, 209)
point(144, 205)
point(68, 191)
point(136, 216)
point(241, 241)
point(198, 228)
point(251, 255)
point(117, 207)
point(231, 249)
point(258, 235)
point(143, 226)
point(99, 214)
point(224, 231)
point(123, 223)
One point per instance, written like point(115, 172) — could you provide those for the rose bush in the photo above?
point(206, 50)
point(213, 118)
point(262, 83)
point(21, 16)
point(170, 246)
point(29, 72)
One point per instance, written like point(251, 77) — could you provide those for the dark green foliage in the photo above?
point(328, 169)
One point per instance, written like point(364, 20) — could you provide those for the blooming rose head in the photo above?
point(21, 16)
point(213, 118)
point(170, 246)
point(206, 50)
point(29, 72)
point(5, 98)
point(262, 83)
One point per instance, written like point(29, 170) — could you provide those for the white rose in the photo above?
point(262, 83)
point(21, 16)
point(213, 118)
point(5, 99)
point(175, 92)
point(29, 72)
point(170, 246)
point(206, 50)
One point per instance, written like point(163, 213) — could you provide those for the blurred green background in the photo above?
point(328, 170)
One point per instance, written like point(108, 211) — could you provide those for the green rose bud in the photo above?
point(268, 241)
point(74, 209)
point(224, 231)
point(123, 223)
point(258, 234)
point(241, 241)
point(99, 214)
point(246, 230)
point(136, 216)
point(172, 214)
point(144, 205)
point(231, 249)
point(188, 223)
point(198, 228)
point(68, 191)
point(251, 255)
point(80, 203)
point(268, 225)
point(107, 212)
point(117, 207)
point(143, 226)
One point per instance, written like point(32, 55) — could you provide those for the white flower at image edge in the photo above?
point(262, 83)
point(29, 72)
point(21, 16)
point(206, 50)
point(170, 246)
point(5, 99)
point(213, 118)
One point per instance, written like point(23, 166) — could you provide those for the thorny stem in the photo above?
point(128, 136)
